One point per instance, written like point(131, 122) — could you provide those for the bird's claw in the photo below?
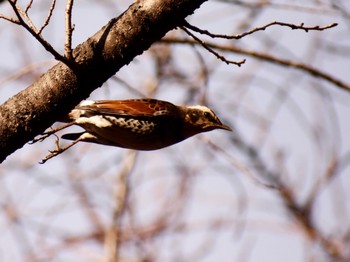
point(58, 150)
point(43, 136)
point(52, 154)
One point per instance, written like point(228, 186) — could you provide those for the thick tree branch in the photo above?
point(56, 92)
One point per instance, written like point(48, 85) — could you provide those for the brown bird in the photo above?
point(141, 124)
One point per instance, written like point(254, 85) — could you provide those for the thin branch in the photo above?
point(28, 6)
point(69, 30)
point(128, 87)
point(331, 171)
point(245, 169)
point(264, 4)
point(26, 70)
point(84, 199)
point(20, 14)
point(262, 28)
point(303, 216)
point(266, 57)
point(222, 58)
point(301, 213)
point(29, 26)
point(47, 20)
point(10, 19)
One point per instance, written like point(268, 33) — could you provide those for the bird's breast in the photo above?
point(133, 133)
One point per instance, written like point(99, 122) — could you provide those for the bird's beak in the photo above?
point(225, 127)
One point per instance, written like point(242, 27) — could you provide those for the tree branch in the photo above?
point(49, 15)
point(261, 28)
point(24, 20)
point(56, 92)
point(69, 31)
point(266, 57)
point(222, 58)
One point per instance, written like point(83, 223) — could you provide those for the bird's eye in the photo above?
point(209, 116)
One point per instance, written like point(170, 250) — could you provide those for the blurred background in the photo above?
point(274, 189)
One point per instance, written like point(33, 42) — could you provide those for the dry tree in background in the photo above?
point(275, 189)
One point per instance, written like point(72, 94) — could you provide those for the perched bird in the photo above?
point(141, 124)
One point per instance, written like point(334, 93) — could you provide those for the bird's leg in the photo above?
point(59, 149)
point(50, 132)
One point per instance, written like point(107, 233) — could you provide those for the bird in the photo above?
point(140, 124)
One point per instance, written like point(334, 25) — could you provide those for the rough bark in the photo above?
point(31, 111)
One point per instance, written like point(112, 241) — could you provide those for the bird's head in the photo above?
point(200, 119)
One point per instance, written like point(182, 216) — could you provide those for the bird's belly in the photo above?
point(133, 134)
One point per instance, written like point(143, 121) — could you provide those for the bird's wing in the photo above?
point(132, 107)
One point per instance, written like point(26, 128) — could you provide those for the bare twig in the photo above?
point(47, 20)
point(128, 87)
point(331, 171)
point(69, 30)
point(202, 43)
point(29, 26)
point(264, 4)
point(84, 199)
point(28, 6)
point(10, 19)
point(301, 213)
point(25, 71)
point(262, 28)
point(237, 164)
point(266, 57)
